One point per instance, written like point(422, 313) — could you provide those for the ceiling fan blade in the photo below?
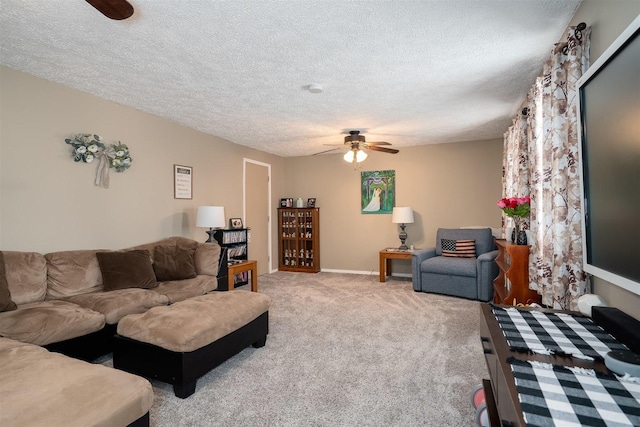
point(113, 9)
point(378, 143)
point(383, 149)
point(327, 151)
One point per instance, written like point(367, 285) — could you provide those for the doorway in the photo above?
point(257, 209)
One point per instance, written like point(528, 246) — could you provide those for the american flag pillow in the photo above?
point(458, 248)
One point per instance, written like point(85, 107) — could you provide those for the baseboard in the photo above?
point(366, 273)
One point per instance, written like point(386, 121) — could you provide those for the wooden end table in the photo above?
point(248, 265)
point(386, 255)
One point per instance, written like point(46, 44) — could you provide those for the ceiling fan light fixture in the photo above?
point(355, 154)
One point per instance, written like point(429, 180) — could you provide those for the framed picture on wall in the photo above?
point(182, 182)
point(377, 192)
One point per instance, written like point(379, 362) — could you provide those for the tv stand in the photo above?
point(501, 396)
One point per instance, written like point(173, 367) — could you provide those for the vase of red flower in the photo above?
point(516, 208)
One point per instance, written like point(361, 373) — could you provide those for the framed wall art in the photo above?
point(377, 192)
point(182, 182)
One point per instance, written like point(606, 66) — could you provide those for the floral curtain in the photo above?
point(541, 161)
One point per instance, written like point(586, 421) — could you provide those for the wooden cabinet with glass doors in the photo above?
point(299, 239)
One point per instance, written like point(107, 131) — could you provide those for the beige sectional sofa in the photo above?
point(71, 302)
point(62, 303)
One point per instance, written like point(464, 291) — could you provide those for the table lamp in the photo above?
point(402, 215)
point(212, 217)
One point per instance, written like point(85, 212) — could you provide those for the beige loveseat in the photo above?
point(64, 303)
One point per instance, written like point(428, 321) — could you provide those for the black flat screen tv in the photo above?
point(609, 131)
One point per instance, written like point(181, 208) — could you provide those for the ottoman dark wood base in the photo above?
point(182, 370)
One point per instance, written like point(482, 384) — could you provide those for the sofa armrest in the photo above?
point(416, 259)
point(487, 271)
point(488, 256)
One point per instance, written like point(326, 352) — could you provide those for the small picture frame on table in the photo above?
point(289, 202)
point(283, 203)
point(311, 202)
point(235, 223)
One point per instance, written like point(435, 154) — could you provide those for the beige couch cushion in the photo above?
point(41, 388)
point(6, 304)
point(206, 258)
point(47, 322)
point(119, 303)
point(180, 290)
point(191, 324)
point(26, 275)
point(72, 273)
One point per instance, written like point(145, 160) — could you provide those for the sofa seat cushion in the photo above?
point(180, 290)
point(41, 388)
point(119, 303)
point(47, 322)
point(448, 265)
point(191, 324)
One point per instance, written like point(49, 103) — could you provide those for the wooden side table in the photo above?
point(251, 266)
point(386, 255)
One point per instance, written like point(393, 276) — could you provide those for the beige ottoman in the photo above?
point(179, 343)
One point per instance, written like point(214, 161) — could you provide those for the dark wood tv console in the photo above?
point(501, 396)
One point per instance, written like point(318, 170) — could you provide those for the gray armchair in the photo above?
point(462, 277)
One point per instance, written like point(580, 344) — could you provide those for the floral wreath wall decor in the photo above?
point(88, 147)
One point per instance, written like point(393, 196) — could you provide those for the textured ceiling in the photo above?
point(406, 72)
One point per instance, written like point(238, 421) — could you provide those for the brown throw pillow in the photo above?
point(458, 248)
point(5, 296)
point(122, 270)
point(174, 262)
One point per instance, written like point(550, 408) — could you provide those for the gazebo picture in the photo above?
point(377, 192)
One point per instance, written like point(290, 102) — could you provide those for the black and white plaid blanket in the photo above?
point(555, 333)
point(559, 396)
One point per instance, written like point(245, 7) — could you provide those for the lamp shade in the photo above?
point(358, 154)
point(402, 215)
point(210, 217)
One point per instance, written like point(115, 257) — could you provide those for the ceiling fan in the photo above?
point(113, 9)
point(357, 142)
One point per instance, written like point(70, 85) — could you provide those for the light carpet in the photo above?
point(343, 350)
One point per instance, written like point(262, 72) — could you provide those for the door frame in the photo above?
point(246, 160)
